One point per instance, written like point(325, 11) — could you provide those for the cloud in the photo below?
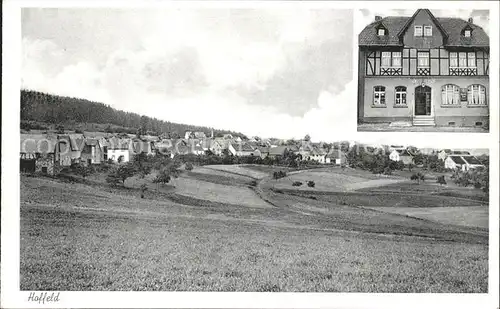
point(256, 71)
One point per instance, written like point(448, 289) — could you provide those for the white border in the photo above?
point(11, 297)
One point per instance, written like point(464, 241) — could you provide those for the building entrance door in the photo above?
point(422, 101)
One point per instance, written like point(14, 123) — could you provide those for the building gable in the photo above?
point(423, 18)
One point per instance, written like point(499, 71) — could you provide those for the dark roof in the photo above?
point(335, 154)
point(451, 28)
point(92, 142)
point(454, 27)
point(404, 152)
point(369, 36)
point(76, 141)
point(243, 146)
point(278, 150)
point(457, 159)
point(471, 160)
point(460, 152)
point(118, 143)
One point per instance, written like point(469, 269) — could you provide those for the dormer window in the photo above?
point(381, 31)
point(467, 33)
point(427, 30)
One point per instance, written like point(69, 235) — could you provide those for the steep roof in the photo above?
point(457, 159)
point(336, 154)
point(454, 27)
point(471, 160)
point(118, 143)
point(404, 152)
point(451, 28)
point(91, 142)
point(242, 146)
point(278, 150)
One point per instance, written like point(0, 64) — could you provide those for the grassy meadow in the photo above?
point(226, 228)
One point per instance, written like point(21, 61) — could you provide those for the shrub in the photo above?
point(253, 183)
point(312, 197)
point(311, 184)
point(189, 166)
point(143, 189)
point(441, 180)
point(297, 184)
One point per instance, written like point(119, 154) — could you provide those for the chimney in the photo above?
point(377, 18)
point(470, 20)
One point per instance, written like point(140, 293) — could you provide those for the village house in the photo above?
point(443, 154)
point(218, 145)
point(92, 152)
point(38, 154)
point(401, 155)
point(137, 146)
point(69, 148)
point(317, 154)
point(240, 149)
point(261, 151)
point(277, 151)
point(424, 71)
point(118, 150)
point(336, 157)
point(462, 162)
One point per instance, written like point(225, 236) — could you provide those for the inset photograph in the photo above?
point(423, 71)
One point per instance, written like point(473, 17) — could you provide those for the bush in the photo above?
point(441, 180)
point(313, 197)
point(189, 166)
point(297, 184)
point(311, 184)
point(253, 183)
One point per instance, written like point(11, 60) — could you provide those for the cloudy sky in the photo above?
point(268, 72)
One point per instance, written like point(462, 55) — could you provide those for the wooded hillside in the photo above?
point(67, 111)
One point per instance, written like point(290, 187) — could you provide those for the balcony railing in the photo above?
point(391, 71)
point(470, 71)
point(423, 71)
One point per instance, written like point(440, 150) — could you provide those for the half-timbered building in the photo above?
point(423, 70)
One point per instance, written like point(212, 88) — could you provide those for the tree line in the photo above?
point(61, 110)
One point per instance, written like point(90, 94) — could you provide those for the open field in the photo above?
point(199, 234)
point(460, 215)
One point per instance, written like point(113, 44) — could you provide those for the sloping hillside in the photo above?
point(48, 110)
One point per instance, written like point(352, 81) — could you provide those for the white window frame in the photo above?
point(385, 59)
point(398, 57)
point(418, 31)
point(462, 59)
point(400, 95)
point(450, 95)
point(419, 56)
point(471, 55)
point(454, 56)
point(478, 92)
point(381, 30)
point(427, 31)
point(467, 33)
point(379, 96)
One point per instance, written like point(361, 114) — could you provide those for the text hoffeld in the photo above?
point(44, 297)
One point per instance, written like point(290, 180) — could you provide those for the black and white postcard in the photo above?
point(219, 154)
